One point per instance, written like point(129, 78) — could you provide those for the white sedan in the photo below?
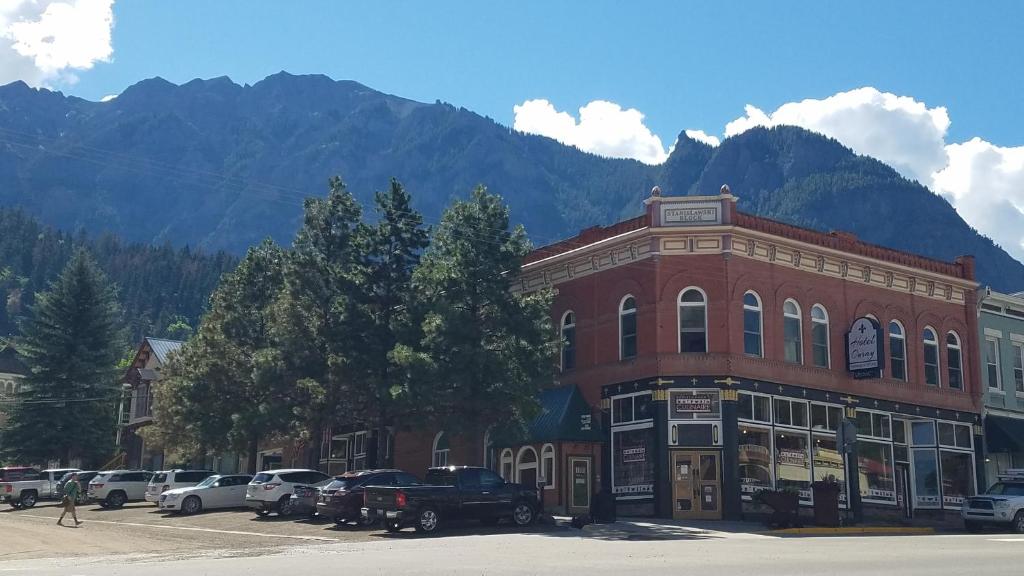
point(226, 491)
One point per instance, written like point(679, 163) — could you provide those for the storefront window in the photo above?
point(792, 463)
point(754, 407)
point(791, 412)
point(923, 433)
point(877, 482)
point(926, 478)
point(633, 462)
point(824, 417)
point(828, 463)
point(631, 408)
point(873, 424)
point(957, 477)
point(755, 459)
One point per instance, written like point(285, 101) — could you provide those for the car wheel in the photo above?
point(284, 506)
point(116, 499)
point(28, 500)
point(427, 521)
point(1018, 522)
point(392, 526)
point(340, 520)
point(192, 505)
point(523, 514)
point(972, 526)
point(263, 512)
point(365, 521)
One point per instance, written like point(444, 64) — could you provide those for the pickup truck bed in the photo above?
point(451, 493)
point(25, 493)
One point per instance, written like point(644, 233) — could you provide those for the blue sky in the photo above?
point(943, 81)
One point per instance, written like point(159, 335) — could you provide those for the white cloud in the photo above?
point(984, 182)
point(45, 41)
point(108, 97)
point(603, 128)
point(702, 136)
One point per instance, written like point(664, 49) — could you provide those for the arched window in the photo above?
point(547, 465)
point(440, 450)
point(526, 466)
point(820, 352)
point(792, 332)
point(693, 321)
point(954, 364)
point(897, 351)
point(568, 341)
point(627, 328)
point(931, 356)
point(753, 325)
point(506, 465)
point(488, 449)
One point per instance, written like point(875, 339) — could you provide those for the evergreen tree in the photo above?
point(487, 350)
point(71, 343)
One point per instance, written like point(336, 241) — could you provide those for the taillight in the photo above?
point(271, 485)
point(165, 488)
point(8, 488)
point(400, 499)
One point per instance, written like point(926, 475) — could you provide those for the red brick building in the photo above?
point(714, 343)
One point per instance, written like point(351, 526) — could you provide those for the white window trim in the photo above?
point(434, 451)
point(1018, 350)
point(507, 458)
point(760, 322)
point(938, 356)
point(616, 430)
point(828, 335)
point(998, 388)
point(547, 452)
point(810, 417)
point(800, 330)
point(902, 338)
point(520, 466)
point(622, 314)
point(881, 413)
point(767, 428)
point(771, 409)
point(679, 317)
point(960, 355)
point(792, 401)
point(892, 463)
point(562, 326)
point(611, 406)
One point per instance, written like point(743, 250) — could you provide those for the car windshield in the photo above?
point(1007, 489)
point(262, 478)
point(99, 478)
point(440, 478)
point(343, 483)
point(208, 482)
point(159, 478)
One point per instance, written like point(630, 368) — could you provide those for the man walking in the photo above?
point(71, 492)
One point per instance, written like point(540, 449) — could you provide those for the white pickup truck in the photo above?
point(1002, 504)
point(25, 493)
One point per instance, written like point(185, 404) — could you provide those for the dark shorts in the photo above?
point(69, 504)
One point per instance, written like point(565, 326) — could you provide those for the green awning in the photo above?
point(1004, 434)
point(564, 416)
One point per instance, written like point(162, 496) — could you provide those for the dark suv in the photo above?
point(342, 499)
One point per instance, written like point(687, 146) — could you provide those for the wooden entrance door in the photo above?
point(696, 485)
point(579, 487)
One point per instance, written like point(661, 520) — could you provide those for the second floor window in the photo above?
point(897, 351)
point(1018, 367)
point(954, 365)
point(791, 333)
point(819, 337)
point(627, 328)
point(992, 363)
point(693, 321)
point(931, 357)
point(753, 345)
point(568, 341)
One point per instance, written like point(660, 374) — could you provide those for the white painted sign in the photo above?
point(691, 214)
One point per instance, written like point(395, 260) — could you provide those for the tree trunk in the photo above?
point(254, 446)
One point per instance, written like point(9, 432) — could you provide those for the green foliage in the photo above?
point(486, 351)
point(71, 343)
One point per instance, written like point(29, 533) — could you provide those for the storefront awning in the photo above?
point(564, 416)
point(1004, 434)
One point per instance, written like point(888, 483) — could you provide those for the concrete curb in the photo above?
point(853, 530)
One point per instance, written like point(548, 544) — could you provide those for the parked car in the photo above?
point(16, 473)
point(341, 499)
point(227, 491)
point(1000, 505)
point(30, 489)
point(114, 488)
point(304, 498)
point(271, 491)
point(449, 493)
point(84, 477)
point(170, 479)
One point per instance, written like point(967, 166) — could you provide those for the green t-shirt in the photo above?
point(72, 489)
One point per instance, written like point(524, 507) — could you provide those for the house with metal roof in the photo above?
point(136, 405)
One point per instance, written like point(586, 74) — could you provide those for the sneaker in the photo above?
point(77, 522)
point(60, 522)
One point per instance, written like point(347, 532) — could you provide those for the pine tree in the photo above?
point(486, 351)
point(71, 343)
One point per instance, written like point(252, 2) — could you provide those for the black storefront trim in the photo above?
point(1004, 433)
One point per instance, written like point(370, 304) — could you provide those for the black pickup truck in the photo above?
point(449, 493)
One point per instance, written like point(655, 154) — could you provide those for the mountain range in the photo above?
point(218, 166)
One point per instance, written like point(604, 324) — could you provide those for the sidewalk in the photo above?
point(665, 529)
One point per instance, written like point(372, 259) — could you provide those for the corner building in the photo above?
point(715, 344)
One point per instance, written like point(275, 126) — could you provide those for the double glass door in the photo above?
point(696, 485)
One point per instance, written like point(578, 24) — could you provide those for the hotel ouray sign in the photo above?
point(864, 354)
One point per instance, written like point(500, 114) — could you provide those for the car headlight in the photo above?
point(173, 496)
point(1001, 504)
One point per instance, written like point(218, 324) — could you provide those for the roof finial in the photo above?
point(656, 191)
point(725, 190)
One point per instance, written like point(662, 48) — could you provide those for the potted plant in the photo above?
point(785, 505)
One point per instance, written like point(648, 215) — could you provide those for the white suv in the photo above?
point(1002, 504)
point(171, 479)
point(112, 488)
point(271, 491)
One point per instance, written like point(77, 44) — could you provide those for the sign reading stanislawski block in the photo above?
point(864, 355)
point(691, 214)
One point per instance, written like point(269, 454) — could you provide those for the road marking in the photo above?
point(194, 529)
point(1006, 539)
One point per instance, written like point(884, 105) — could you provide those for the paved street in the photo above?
point(138, 540)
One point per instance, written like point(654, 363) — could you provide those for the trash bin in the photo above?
point(826, 503)
point(602, 507)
